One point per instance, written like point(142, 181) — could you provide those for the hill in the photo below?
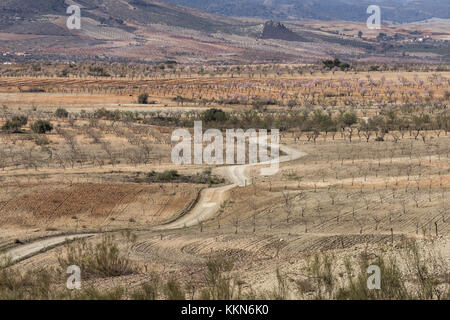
point(152, 31)
point(16, 14)
point(398, 11)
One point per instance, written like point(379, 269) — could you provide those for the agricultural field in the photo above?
point(364, 179)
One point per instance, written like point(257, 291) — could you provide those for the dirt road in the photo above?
point(211, 199)
point(27, 250)
point(208, 205)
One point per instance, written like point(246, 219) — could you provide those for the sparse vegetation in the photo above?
point(374, 173)
point(143, 98)
point(15, 124)
point(418, 276)
point(205, 177)
point(214, 115)
point(61, 113)
point(102, 260)
point(41, 127)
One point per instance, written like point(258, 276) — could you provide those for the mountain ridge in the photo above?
point(397, 11)
point(149, 31)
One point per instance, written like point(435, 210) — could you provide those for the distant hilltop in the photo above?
point(277, 30)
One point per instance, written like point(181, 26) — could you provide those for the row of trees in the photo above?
point(171, 69)
point(327, 122)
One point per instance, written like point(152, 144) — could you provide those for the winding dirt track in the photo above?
point(208, 205)
point(211, 199)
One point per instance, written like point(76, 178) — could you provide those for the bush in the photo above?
point(102, 260)
point(41, 127)
point(61, 113)
point(15, 124)
point(21, 120)
point(143, 98)
point(216, 115)
point(108, 115)
point(182, 100)
point(344, 66)
point(167, 175)
point(11, 126)
point(205, 177)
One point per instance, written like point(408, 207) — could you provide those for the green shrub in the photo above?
point(143, 98)
point(10, 126)
point(15, 124)
point(61, 113)
point(216, 115)
point(108, 115)
point(167, 175)
point(21, 120)
point(344, 66)
point(204, 177)
point(41, 127)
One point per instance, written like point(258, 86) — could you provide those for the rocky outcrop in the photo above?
point(277, 30)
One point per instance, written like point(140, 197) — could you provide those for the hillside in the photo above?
point(398, 11)
point(17, 14)
point(151, 31)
